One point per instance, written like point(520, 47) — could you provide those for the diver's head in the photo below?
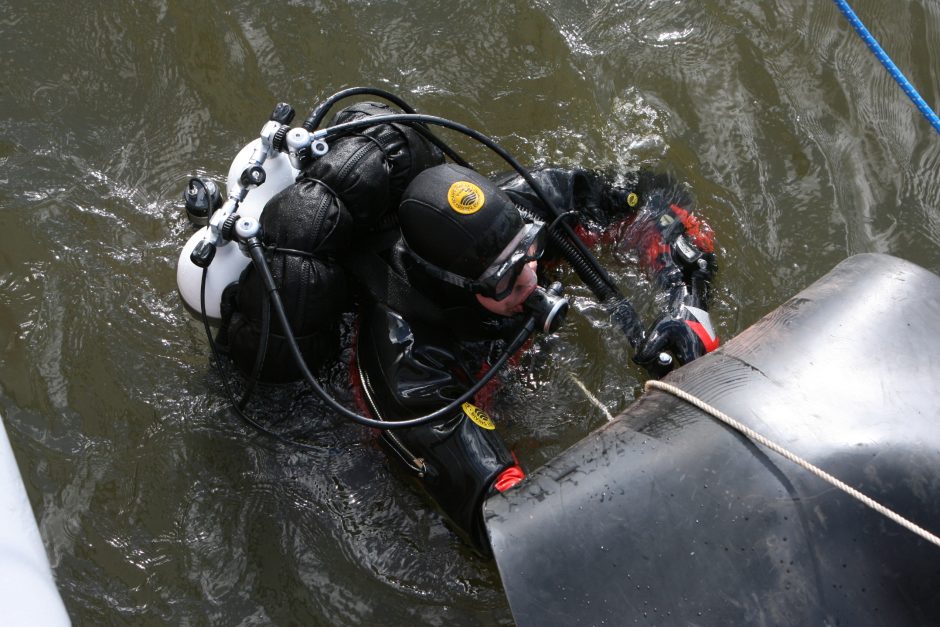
point(465, 231)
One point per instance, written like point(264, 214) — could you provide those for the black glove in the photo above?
point(676, 337)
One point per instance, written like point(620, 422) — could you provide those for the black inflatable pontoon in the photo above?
point(667, 516)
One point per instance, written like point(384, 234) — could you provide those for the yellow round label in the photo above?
point(465, 197)
point(632, 199)
point(478, 416)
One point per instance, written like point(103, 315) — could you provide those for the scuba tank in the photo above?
point(229, 261)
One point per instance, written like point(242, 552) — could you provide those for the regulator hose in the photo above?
point(317, 114)
point(256, 252)
point(238, 406)
point(260, 355)
point(619, 307)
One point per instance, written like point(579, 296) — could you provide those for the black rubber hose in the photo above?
point(259, 355)
point(620, 308)
point(228, 389)
point(317, 114)
point(255, 250)
point(315, 119)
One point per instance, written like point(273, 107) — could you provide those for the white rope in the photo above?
point(590, 396)
point(878, 507)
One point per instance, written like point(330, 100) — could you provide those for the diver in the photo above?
point(470, 249)
point(441, 265)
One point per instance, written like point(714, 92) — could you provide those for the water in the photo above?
point(155, 504)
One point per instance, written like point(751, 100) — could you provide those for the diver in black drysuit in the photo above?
point(439, 280)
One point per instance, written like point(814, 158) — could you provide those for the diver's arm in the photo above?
point(592, 195)
point(650, 214)
point(677, 249)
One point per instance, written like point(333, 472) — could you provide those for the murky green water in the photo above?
point(156, 505)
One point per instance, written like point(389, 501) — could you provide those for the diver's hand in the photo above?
point(671, 242)
point(676, 340)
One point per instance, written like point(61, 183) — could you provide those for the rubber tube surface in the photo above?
point(667, 516)
point(28, 595)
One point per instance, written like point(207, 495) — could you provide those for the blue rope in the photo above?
point(893, 70)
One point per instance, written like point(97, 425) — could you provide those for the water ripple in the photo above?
point(155, 503)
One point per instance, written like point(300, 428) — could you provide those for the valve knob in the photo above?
point(278, 141)
point(202, 254)
point(247, 228)
point(252, 176)
point(283, 113)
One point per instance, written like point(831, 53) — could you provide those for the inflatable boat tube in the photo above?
point(28, 595)
point(667, 516)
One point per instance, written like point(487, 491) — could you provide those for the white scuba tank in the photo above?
point(229, 261)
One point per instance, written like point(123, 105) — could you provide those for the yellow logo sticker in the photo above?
point(465, 197)
point(632, 199)
point(478, 416)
